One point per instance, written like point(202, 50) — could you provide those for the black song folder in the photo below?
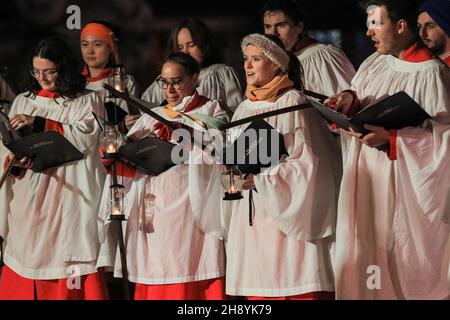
point(115, 113)
point(259, 146)
point(393, 112)
point(151, 154)
point(47, 149)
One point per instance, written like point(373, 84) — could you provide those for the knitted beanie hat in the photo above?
point(271, 50)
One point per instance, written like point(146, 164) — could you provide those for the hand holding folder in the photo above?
point(392, 112)
point(46, 149)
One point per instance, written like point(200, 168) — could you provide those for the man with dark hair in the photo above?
point(393, 225)
point(434, 27)
point(326, 69)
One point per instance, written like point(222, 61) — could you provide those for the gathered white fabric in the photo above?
point(288, 250)
point(50, 219)
point(393, 215)
point(271, 50)
point(104, 94)
point(165, 236)
point(326, 69)
point(216, 82)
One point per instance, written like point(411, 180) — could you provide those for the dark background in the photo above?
point(146, 25)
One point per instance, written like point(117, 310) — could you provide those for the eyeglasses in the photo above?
point(175, 83)
point(47, 72)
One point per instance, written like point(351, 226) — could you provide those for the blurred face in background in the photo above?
point(259, 70)
point(45, 72)
point(432, 35)
point(280, 25)
point(187, 45)
point(175, 83)
point(95, 52)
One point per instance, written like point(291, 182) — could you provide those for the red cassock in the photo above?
point(15, 287)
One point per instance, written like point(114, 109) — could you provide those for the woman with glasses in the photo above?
point(49, 218)
point(169, 255)
point(285, 252)
point(97, 42)
point(217, 81)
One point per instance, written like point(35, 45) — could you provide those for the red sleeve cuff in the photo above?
point(392, 144)
point(122, 169)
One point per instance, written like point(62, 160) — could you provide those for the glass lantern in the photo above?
point(117, 202)
point(232, 182)
point(118, 80)
point(110, 139)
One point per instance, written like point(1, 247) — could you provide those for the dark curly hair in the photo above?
point(70, 81)
point(188, 63)
point(202, 37)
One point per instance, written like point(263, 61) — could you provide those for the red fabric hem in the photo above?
point(392, 145)
point(211, 289)
point(87, 287)
point(319, 295)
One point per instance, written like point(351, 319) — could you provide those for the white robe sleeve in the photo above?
point(300, 194)
point(222, 83)
point(422, 221)
point(6, 192)
point(80, 128)
point(205, 190)
point(326, 69)
point(153, 94)
point(423, 165)
point(132, 87)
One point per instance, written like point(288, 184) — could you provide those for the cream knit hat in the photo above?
point(270, 49)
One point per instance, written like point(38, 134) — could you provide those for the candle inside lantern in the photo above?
point(111, 148)
point(117, 206)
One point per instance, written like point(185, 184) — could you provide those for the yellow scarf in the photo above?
point(271, 91)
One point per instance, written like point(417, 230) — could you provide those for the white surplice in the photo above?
point(288, 250)
point(50, 219)
point(165, 242)
point(392, 237)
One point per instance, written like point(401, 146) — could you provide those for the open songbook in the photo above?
point(259, 145)
point(46, 149)
point(151, 154)
point(392, 112)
